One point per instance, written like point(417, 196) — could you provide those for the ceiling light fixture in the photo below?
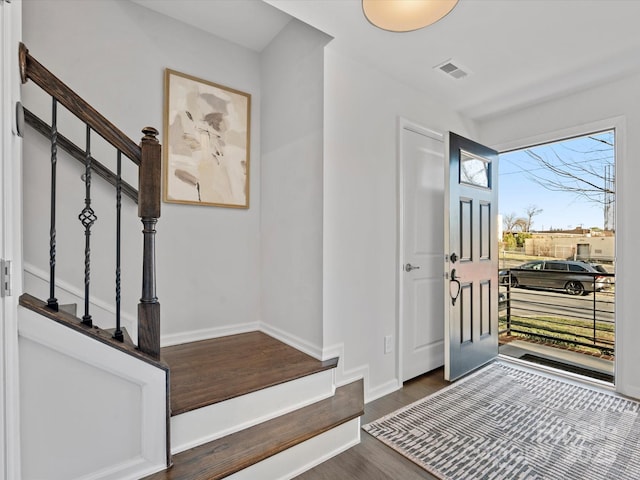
point(405, 15)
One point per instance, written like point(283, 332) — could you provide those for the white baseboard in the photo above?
point(344, 377)
point(206, 334)
point(382, 390)
point(292, 340)
point(134, 469)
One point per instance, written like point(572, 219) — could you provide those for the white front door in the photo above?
point(471, 230)
point(421, 289)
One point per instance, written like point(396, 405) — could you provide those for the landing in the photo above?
point(211, 371)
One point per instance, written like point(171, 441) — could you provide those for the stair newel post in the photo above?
point(149, 211)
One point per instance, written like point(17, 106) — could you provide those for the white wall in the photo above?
point(292, 121)
point(87, 410)
point(620, 101)
point(362, 107)
point(113, 53)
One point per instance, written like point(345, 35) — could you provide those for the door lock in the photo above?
point(408, 267)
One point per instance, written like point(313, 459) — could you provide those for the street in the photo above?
point(535, 303)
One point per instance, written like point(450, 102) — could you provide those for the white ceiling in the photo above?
point(250, 23)
point(517, 51)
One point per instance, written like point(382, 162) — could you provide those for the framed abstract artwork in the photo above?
point(206, 142)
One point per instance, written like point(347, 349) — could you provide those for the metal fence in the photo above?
point(560, 314)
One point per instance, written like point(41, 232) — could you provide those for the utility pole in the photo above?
point(609, 199)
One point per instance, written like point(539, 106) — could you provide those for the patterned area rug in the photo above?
point(506, 423)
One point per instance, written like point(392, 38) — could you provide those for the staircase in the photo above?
point(245, 406)
point(255, 407)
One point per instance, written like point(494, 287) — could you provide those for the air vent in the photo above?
point(452, 69)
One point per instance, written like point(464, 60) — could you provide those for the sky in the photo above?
point(522, 181)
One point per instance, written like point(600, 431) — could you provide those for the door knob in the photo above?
point(408, 267)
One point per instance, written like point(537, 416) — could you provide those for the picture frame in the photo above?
point(207, 133)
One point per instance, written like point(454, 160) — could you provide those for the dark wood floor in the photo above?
point(371, 459)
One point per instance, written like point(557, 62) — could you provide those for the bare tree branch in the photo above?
point(531, 211)
point(580, 178)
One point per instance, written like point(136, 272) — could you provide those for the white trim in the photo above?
point(150, 379)
point(291, 340)
point(562, 134)
point(447, 242)
point(569, 377)
point(403, 124)
point(298, 459)
point(11, 241)
point(223, 331)
point(344, 377)
point(171, 339)
point(618, 124)
point(133, 469)
point(382, 390)
point(209, 423)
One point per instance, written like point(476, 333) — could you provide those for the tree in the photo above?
point(531, 211)
point(521, 224)
point(590, 175)
point(509, 241)
point(511, 223)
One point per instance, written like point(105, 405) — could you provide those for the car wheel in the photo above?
point(514, 282)
point(574, 288)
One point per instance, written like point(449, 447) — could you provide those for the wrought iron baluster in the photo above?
point(118, 335)
point(87, 217)
point(52, 301)
point(595, 306)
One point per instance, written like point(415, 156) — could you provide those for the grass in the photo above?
point(564, 332)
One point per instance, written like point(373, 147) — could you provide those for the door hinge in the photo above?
point(5, 278)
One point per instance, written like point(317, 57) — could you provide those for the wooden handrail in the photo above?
point(147, 156)
point(31, 69)
point(76, 152)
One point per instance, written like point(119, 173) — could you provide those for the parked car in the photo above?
point(572, 277)
point(600, 268)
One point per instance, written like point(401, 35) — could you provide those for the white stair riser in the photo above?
point(304, 456)
point(205, 424)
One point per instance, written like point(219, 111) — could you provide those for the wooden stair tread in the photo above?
point(211, 371)
point(230, 454)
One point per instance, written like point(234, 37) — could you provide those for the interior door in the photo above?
point(421, 287)
point(471, 294)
